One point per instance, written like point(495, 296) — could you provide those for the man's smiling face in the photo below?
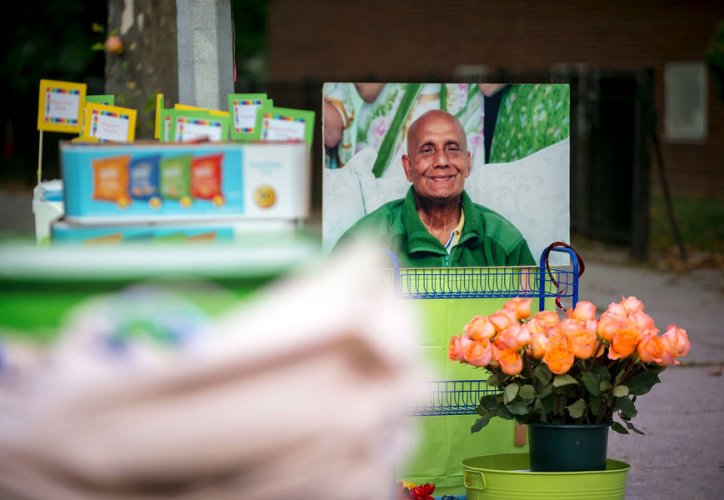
point(437, 161)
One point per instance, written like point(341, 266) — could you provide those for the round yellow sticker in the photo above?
point(264, 196)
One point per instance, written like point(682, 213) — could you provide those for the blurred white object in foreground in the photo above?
point(47, 207)
point(299, 393)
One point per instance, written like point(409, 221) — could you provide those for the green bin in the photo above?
point(40, 285)
point(508, 477)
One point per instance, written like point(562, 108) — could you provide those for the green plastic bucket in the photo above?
point(507, 477)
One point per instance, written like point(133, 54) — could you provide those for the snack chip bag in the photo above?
point(110, 180)
point(175, 174)
point(206, 178)
point(144, 179)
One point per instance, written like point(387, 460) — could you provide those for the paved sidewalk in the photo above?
point(683, 417)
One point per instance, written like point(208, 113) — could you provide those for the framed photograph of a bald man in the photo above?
point(448, 175)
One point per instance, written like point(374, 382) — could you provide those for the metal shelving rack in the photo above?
point(461, 397)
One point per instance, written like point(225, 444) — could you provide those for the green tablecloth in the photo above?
point(444, 441)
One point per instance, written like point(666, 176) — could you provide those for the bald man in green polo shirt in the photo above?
point(437, 224)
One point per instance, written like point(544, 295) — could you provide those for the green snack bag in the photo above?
point(175, 174)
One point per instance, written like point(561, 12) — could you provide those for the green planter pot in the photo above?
point(507, 477)
point(567, 448)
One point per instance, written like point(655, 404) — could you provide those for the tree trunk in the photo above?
point(148, 63)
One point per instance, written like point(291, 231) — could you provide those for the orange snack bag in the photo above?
point(110, 179)
point(206, 177)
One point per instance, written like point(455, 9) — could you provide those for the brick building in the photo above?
point(407, 40)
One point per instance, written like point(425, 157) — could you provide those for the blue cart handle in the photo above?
point(578, 268)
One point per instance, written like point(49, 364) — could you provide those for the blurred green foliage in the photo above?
point(250, 28)
point(42, 39)
point(50, 39)
point(700, 220)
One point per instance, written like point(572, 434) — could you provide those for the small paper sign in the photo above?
point(60, 106)
point(188, 107)
point(167, 117)
point(107, 99)
point(158, 121)
point(109, 123)
point(283, 124)
point(246, 112)
point(187, 126)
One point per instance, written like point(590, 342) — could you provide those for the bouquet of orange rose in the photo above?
point(576, 370)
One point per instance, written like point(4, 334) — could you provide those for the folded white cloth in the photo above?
point(299, 393)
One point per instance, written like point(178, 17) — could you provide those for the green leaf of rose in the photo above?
point(548, 403)
point(605, 386)
point(493, 380)
point(518, 408)
point(503, 413)
point(490, 402)
point(590, 381)
point(527, 392)
point(619, 428)
point(604, 374)
point(620, 391)
point(480, 423)
point(559, 406)
point(595, 404)
point(545, 391)
point(619, 375)
point(642, 383)
point(576, 409)
point(511, 391)
point(562, 380)
point(626, 407)
point(542, 375)
point(632, 427)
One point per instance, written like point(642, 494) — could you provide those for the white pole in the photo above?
point(40, 158)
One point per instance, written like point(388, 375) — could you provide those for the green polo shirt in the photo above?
point(487, 239)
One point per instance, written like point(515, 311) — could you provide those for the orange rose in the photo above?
point(556, 334)
point(515, 337)
point(608, 325)
point(643, 322)
point(519, 307)
point(616, 309)
point(538, 345)
point(632, 305)
point(510, 361)
point(502, 320)
point(651, 349)
point(559, 357)
point(454, 349)
point(547, 319)
point(583, 311)
point(584, 343)
point(569, 326)
point(479, 328)
point(624, 342)
point(478, 352)
point(534, 326)
point(676, 341)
